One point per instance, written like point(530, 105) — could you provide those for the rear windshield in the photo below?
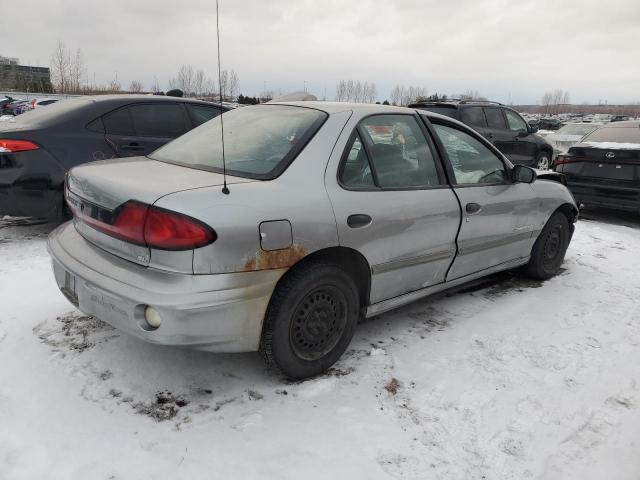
point(259, 142)
point(626, 134)
point(53, 112)
point(577, 129)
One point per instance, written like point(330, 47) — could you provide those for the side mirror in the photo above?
point(533, 129)
point(523, 133)
point(522, 174)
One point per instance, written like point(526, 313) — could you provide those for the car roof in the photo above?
point(336, 107)
point(366, 109)
point(140, 98)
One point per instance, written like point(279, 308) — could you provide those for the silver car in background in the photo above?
point(334, 212)
point(567, 136)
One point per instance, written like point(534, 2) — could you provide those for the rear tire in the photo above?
point(548, 252)
point(310, 320)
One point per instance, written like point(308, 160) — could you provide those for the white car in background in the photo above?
point(564, 138)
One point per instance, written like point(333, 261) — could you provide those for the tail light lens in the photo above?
point(562, 159)
point(154, 227)
point(12, 146)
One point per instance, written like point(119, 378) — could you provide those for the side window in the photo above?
point(515, 122)
point(356, 171)
point(159, 120)
point(399, 153)
point(202, 113)
point(495, 118)
point(472, 162)
point(473, 116)
point(119, 122)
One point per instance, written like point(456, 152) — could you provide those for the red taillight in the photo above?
point(12, 146)
point(155, 227)
point(168, 230)
point(562, 159)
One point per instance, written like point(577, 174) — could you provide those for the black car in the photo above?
point(604, 168)
point(502, 126)
point(546, 123)
point(40, 146)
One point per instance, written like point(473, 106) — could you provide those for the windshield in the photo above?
point(576, 129)
point(259, 142)
point(626, 134)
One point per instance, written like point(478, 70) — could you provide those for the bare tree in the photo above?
point(113, 86)
point(155, 87)
point(355, 91)
point(198, 82)
point(60, 67)
point(401, 95)
point(234, 84)
point(136, 87)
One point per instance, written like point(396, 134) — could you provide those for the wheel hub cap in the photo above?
point(318, 323)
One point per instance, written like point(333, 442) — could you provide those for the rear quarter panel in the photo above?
point(298, 196)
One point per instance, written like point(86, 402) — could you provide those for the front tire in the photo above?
point(543, 162)
point(310, 320)
point(548, 252)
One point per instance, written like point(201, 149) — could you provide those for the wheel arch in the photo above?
point(349, 259)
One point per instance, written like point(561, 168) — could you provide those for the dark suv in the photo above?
point(501, 125)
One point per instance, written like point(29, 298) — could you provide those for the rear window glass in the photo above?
point(159, 120)
point(202, 113)
point(119, 122)
point(259, 142)
point(630, 134)
point(495, 118)
point(473, 116)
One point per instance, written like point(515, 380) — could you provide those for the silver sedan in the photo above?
point(332, 212)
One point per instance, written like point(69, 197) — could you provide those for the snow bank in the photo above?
point(506, 379)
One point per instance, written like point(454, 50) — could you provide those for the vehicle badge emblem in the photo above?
point(610, 155)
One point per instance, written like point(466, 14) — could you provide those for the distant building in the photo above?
point(14, 76)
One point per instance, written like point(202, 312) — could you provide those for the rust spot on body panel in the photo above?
point(266, 260)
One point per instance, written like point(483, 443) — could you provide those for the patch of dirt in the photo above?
point(165, 406)
point(75, 332)
point(392, 386)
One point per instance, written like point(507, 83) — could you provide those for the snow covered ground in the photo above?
point(508, 379)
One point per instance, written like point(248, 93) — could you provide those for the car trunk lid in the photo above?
point(603, 170)
point(97, 191)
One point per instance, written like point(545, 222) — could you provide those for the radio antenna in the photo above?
point(225, 189)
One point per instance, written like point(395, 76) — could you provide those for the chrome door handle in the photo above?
point(358, 220)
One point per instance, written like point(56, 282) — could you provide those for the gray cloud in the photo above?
point(503, 48)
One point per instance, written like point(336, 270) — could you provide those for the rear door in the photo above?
point(498, 216)
point(392, 203)
point(497, 132)
point(139, 129)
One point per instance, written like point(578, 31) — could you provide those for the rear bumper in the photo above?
point(221, 312)
point(31, 185)
point(614, 197)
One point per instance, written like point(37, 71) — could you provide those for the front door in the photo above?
point(392, 203)
point(498, 216)
point(497, 132)
point(523, 146)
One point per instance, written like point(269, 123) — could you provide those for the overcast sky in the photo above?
point(508, 50)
